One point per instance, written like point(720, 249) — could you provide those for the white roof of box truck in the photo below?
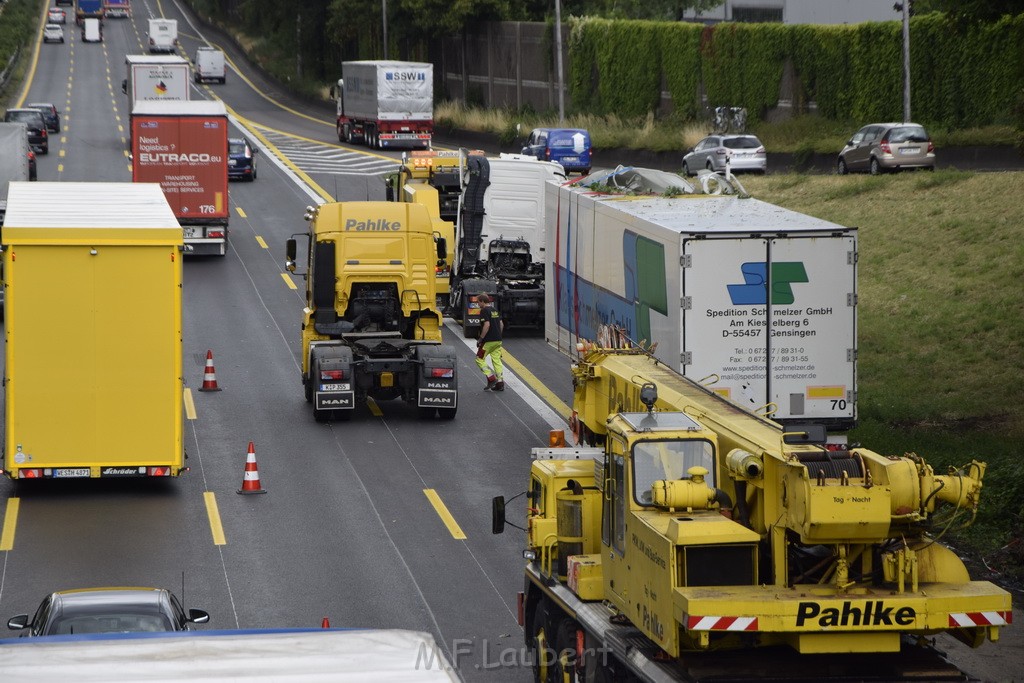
point(702, 213)
point(155, 59)
point(279, 655)
point(33, 208)
point(179, 108)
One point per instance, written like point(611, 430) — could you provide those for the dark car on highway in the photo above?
point(108, 610)
point(241, 159)
point(50, 114)
point(33, 119)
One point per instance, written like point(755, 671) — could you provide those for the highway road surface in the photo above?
point(383, 521)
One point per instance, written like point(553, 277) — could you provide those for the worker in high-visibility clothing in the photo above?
point(489, 344)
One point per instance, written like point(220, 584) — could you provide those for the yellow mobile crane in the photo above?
point(686, 527)
point(433, 179)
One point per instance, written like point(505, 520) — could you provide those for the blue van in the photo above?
point(568, 146)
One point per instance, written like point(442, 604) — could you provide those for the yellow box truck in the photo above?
point(93, 378)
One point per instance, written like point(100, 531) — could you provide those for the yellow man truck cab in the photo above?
point(371, 328)
point(106, 259)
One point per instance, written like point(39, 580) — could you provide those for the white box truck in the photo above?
point(386, 104)
point(155, 77)
point(163, 35)
point(757, 301)
point(14, 163)
point(210, 65)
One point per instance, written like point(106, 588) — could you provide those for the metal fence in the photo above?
point(504, 65)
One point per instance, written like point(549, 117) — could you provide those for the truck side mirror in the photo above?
point(498, 514)
point(290, 250)
point(124, 86)
point(442, 248)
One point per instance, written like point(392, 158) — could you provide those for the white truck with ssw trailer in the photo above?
point(755, 301)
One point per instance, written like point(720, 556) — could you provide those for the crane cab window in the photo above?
point(664, 460)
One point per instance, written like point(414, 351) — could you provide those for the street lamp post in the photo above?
point(558, 58)
point(384, 19)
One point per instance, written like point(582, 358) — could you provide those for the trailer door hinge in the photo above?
point(851, 258)
point(686, 358)
point(851, 355)
point(851, 299)
point(686, 261)
point(686, 303)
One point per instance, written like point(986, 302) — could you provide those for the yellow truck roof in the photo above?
point(93, 213)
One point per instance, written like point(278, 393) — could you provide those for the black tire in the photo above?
point(307, 389)
point(447, 413)
point(537, 643)
point(348, 134)
point(710, 166)
point(223, 80)
point(875, 168)
point(686, 169)
point(254, 171)
point(565, 652)
point(341, 134)
point(841, 167)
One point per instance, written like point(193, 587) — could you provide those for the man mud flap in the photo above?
point(438, 378)
point(332, 379)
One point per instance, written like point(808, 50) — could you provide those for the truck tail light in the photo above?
point(442, 373)
point(34, 473)
point(162, 471)
point(215, 233)
point(333, 375)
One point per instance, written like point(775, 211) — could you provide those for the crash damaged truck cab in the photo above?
point(371, 328)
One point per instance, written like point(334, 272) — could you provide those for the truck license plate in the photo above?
point(70, 472)
point(335, 387)
point(193, 232)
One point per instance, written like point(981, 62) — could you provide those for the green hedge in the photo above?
point(960, 75)
point(18, 23)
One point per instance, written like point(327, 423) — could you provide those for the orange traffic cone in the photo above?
point(251, 478)
point(326, 623)
point(209, 375)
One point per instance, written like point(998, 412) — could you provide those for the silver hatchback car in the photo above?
point(744, 153)
point(880, 147)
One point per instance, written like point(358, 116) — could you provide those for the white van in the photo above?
point(92, 31)
point(163, 35)
point(210, 65)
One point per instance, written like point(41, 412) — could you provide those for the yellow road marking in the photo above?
point(10, 521)
point(288, 281)
point(63, 139)
point(190, 404)
point(60, 168)
point(251, 127)
point(325, 144)
point(374, 408)
point(61, 154)
point(120, 128)
point(240, 212)
point(216, 528)
point(127, 153)
point(546, 394)
point(442, 511)
point(259, 240)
